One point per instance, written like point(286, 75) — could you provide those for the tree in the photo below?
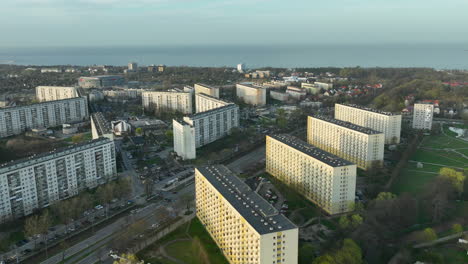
point(385, 196)
point(123, 188)
point(45, 222)
point(169, 135)
point(139, 131)
point(428, 235)
point(128, 259)
point(106, 194)
point(32, 227)
point(281, 120)
point(344, 222)
point(356, 220)
point(455, 177)
point(457, 228)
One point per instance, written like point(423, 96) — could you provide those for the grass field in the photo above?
point(182, 248)
point(434, 152)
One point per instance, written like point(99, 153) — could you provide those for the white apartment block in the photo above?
point(101, 127)
point(321, 177)
point(251, 94)
point(422, 116)
point(246, 228)
point(280, 96)
point(205, 89)
point(39, 181)
point(203, 128)
point(205, 103)
point(16, 120)
point(52, 93)
point(168, 101)
point(360, 145)
point(296, 92)
point(386, 122)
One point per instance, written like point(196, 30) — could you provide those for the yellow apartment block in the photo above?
point(246, 228)
point(360, 145)
point(323, 178)
point(386, 122)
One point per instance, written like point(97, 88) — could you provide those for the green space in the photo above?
point(185, 244)
point(439, 150)
point(79, 138)
point(446, 253)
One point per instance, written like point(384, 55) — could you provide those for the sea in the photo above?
point(438, 56)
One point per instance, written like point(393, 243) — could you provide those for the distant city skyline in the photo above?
point(40, 23)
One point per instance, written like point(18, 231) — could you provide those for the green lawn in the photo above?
point(183, 250)
point(413, 180)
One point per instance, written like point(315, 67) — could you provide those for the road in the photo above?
point(239, 165)
point(137, 186)
point(105, 234)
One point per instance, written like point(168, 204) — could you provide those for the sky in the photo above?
point(75, 23)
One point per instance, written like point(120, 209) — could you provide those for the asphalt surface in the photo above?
point(241, 164)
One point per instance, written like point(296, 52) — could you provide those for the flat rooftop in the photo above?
point(211, 111)
point(46, 156)
point(43, 103)
point(370, 109)
point(348, 125)
point(251, 86)
point(311, 150)
point(103, 126)
point(260, 214)
point(213, 98)
point(206, 86)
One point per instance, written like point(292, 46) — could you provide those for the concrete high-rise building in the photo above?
point(205, 89)
point(205, 103)
point(386, 122)
point(16, 120)
point(39, 181)
point(245, 227)
point(251, 94)
point(422, 116)
point(168, 101)
point(133, 66)
point(323, 178)
point(241, 67)
point(360, 145)
point(101, 81)
point(203, 128)
point(52, 93)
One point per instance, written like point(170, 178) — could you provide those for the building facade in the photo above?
point(39, 181)
point(251, 94)
point(206, 89)
point(101, 81)
point(167, 101)
point(203, 128)
point(422, 116)
point(280, 96)
point(296, 92)
point(101, 127)
point(360, 145)
point(386, 122)
point(323, 178)
point(246, 228)
point(52, 93)
point(16, 120)
point(205, 103)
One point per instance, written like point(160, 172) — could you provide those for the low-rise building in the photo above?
point(280, 96)
point(296, 92)
point(246, 228)
point(323, 178)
